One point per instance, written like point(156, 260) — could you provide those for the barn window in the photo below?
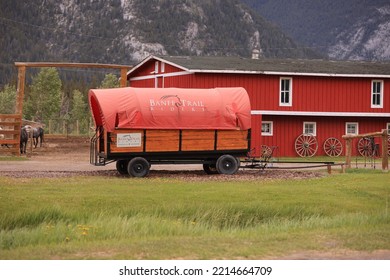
point(267, 128)
point(388, 128)
point(156, 67)
point(285, 92)
point(351, 128)
point(310, 128)
point(377, 94)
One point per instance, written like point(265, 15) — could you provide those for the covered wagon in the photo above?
point(138, 127)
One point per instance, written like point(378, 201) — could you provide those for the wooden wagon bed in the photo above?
point(173, 144)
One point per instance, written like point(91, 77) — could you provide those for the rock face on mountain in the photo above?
point(367, 39)
point(348, 29)
point(125, 31)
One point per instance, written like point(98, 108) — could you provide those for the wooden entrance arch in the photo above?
point(22, 66)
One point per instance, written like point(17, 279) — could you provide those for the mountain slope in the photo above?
point(366, 39)
point(125, 31)
point(348, 29)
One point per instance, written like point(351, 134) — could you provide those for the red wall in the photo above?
point(312, 94)
point(334, 94)
point(287, 128)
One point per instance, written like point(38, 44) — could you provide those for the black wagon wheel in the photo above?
point(121, 166)
point(210, 168)
point(138, 167)
point(306, 145)
point(227, 164)
point(365, 147)
point(333, 147)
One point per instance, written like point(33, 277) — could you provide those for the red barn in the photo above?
point(289, 98)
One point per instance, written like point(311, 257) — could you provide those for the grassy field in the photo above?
point(149, 218)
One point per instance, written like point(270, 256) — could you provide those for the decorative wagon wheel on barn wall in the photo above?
point(333, 147)
point(306, 145)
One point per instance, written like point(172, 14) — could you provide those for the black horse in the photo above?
point(38, 136)
point(23, 140)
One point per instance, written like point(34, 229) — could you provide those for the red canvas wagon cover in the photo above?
point(171, 108)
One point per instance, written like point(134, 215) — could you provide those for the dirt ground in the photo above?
point(69, 156)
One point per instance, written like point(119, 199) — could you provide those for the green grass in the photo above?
point(340, 159)
point(13, 158)
point(128, 218)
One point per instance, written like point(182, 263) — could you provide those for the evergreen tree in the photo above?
point(44, 101)
point(8, 100)
point(80, 111)
point(110, 81)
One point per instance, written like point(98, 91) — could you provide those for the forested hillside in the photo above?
point(348, 29)
point(115, 31)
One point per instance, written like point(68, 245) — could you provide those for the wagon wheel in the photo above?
point(138, 167)
point(365, 147)
point(306, 145)
point(210, 168)
point(121, 166)
point(266, 152)
point(333, 147)
point(388, 146)
point(227, 164)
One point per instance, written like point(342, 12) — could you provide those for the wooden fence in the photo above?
point(384, 135)
point(10, 133)
point(68, 127)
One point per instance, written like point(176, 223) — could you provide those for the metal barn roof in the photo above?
point(316, 67)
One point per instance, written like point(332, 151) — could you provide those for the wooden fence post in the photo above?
point(50, 126)
point(124, 76)
point(77, 127)
point(30, 136)
point(385, 148)
point(20, 89)
point(19, 99)
point(348, 152)
point(64, 128)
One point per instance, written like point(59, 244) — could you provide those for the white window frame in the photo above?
point(282, 91)
point(314, 124)
point(352, 123)
point(156, 67)
point(162, 67)
point(271, 128)
point(374, 93)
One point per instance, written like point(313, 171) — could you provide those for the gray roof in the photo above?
point(274, 66)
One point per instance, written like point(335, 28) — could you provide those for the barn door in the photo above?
point(159, 82)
